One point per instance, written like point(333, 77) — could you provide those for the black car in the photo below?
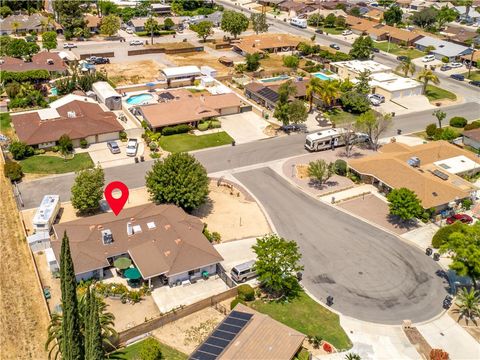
point(475, 83)
point(375, 50)
point(319, 31)
point(458, 77)
point(445, 68)
point(402, 58)
point(335, 46)
point(293, 128)
point(102, 60)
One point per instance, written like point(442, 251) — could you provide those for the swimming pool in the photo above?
point(321, 76)
point(54, 91)
point(139, 99)
point(276, 78)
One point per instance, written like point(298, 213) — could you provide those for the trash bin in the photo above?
point(436, 256)
point(399, 131)
point(142, 158)
point(428, 251)
point(136, 160)
point(233, 142)
point(329, 300)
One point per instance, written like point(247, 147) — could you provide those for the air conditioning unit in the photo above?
point(107, 237)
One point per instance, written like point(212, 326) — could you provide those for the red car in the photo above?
point(464, 218)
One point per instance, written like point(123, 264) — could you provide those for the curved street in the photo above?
point(372, 275)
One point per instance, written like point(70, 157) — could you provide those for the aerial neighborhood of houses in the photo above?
point(240, 179)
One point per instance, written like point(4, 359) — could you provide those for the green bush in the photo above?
point(83, 143)
point(54, 148)
point(153, 146)
point(39, 152)
point(24, 76)
point(467, 204)
point(122, 135)
point(472, 125)
point(458, 122)
point(441, 236)
point(246, 292)
point(341, 167)
point(235, 302)
point(13, 170)
point(213, 237)
point(178, 129)
point(20, 150)
point(155, 155)
point(445, 60)
point(430, 130)
point(158, 33)
point(445, 134)
point(203, 126)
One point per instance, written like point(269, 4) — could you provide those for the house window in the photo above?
point(193, 272)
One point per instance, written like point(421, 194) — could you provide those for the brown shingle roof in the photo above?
point(473, 134)
point(175, 245)
point(39, 62)
point(90, 119)
point(262, 42)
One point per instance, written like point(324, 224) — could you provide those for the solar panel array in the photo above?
point(223, 335)
point(269, 94)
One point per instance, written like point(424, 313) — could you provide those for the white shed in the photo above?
point(46, 213)
point(39, 241)
point(209, 71)
point(107, 95)
point(181, 72)
point(51, 260)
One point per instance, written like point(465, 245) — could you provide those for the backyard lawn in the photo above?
point(45, 164)
point(398, 50)
point(474, 75)
point(435, 93)
point(132, 352)
point(187, 142)
point(307, 316)
point(338, 116)
point(331, 31)
point(4, 121)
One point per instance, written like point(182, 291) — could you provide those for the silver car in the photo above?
point(113, 147)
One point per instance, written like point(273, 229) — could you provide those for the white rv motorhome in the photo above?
point(46, 213)
point(301, 23)
point(326, 139)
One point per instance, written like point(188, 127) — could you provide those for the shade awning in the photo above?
point(132, 274)
point(122, 263)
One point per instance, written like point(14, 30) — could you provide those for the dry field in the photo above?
point(274, 64)
point(23, 317)
point(132, 72)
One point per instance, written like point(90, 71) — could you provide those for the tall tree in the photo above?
point(329, 21)
point(234, 23)
point(278, 261)
point(49, 40)
point(427, 76)
point(69, 14)
point(106, 7)
point(313, 88)
point(329, 91)
point(110, 25)
point(393, 15)
point(445, 15)
point(374, 125)
point(71, 345)
point(297, 112)
point(362, 85)
point(259, 23)
point(404, 203)
point(425, 18)
point(252, 61)
point(204, 29)
point(285, 91)
point(361, 48)
point(87, 190)
point(93, 331)
point(65, 145)
point(440, 115)
point(406, 67)
point(468, 302)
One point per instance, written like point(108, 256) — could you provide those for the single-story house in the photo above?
point(393, 86)
point(472, 16)
point(375, 15)
point(431, 170)
point(26, 23)
point(294, 8)
point(163, 241)
point(326, 12)
point(248, 334)
point(43, 60)
point(267, 95)
point(215, 18)
point(266, 43)
point(182, 107)
point(459, 35)
point(138, 23)
point(161, 9)
point(93, 22)
point(352, 68)
point(442, 48)
point(473, 57)
point(76, 116)
point(472, 138)
point(107, 95)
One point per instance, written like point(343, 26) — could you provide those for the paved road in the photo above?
point(226, 158)
point(372, 275)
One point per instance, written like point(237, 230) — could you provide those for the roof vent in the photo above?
point(50, 61)
point(167, 227)
point(151, 225)
point(107, 237)
point(129, 229)
point(71, 114)
point(137, 229)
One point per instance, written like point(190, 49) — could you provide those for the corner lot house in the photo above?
point(433, 171)
point(442, 48)
point(76, 116)
point(266, 43)
point(162, 241)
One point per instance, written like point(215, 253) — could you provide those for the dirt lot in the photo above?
point(128, 315)
point(274, 64)
point(200, 58)
point(23, 317)
point(132, 72)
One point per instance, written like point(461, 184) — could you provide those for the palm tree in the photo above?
point(426, 76)
point(312, 88)
point(329, 91)
point(468, 304)
point(406, 67)
point(352, 356)
point(15, 26)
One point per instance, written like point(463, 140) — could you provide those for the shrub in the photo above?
point(153, 146)
point(246, 292)
point(445, 60)
point(458, 122)
point(467, 204)
point(54, 148)
point(441, 236)
point(341, 167)
point(20, 150)
point(213, 237)
point(472, 125)
point(445, 134)
point(123, 135)
point(430, 130)
point(39, 151)
point(24, 76)
point(155, 155)
point(83, 143)
point(203, 126)
point(178, 129)
point(13, 170)
point(235, 302)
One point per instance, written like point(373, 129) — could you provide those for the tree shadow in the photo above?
point(204, 210)
point(401, 224)
point(317, 185)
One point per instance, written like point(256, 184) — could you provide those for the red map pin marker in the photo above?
point(116, 204)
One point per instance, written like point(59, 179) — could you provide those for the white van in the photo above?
point(428, 58)
point(242, 272)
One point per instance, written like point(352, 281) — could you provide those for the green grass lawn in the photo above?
point(474, 75)
point(307, 316)
point(339, 116)
point(187, 142)
point(332, 31)
point(398, 50)
point(435, 93)
point(5, 121)
point(44, 164)
point(132, 352)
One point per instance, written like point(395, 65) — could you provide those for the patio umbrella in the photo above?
point(132, 274)
point(151, 84)
point(122, 263)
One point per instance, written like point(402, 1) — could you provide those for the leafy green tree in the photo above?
point(297, 112)
point(49, 40)
point(168, 24)
point(329, 91)
point(13, 170)
point(355, 11)
point(430, 130)
point(71, 345)
point(404, 203)
point(445, 15)
point(252, 61)
point(70, 14)
point(110, 25)
point(468, 302)
point(87, 190)
point(285, 91)
point(427, 76)
point(178, 179)
point(150, 350)
point(425, 18)
point(19, 48)
point(329, 21)
point(234, 23)
point(362, 85)
point(361, 48)
point(406, 67)
point(278, 261)
point(440, 115)
point(315, 20)
point(313, 87)
point(291, 61)
point(152, 25)
point(204, 29)
point(65, 144)
point(259, 23)
point(442, 234)
point(385, 3)
point(354, 102)
point(5, 11)
point(465, 246)
point(106, 7)
point(320, 171)
point(393, 15)
point(374, 125)
point(340, 22)
point(20, 150)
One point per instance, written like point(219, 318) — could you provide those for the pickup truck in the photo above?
point(132, 146)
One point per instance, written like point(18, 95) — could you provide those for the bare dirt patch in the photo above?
point(172, 45)
point(23, 316)
point(200, 58)
point(302, 171)
point(132, 72)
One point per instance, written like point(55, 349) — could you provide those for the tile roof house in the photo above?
point(472, 15)
point(160, 240)
point(43, 60)
point(255, 336)
point(435, 180)
point(76, 116)
point(266, 43)
point(35, 22)
point(442, 48)
point(460, 36)
point(472, 138)
point(374, 15)
point(93, 22)
point(267, 95)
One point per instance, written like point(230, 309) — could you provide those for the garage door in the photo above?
point(108, 137)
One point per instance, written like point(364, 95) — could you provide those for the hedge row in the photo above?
point(158, 33)
point(178, 129)
point(30, 75)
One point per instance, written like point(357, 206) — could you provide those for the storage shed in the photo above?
point(107, 95)
point(51, 260)
point(39, 241)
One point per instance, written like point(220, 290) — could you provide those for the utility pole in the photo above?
point(471, 61)
point(151, 26)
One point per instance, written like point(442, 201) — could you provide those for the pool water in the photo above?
point(276, 78)
point(54, 91)
point(139, 99)
point(321, 76)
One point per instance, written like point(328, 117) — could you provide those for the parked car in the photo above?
point(113, 147)
point(69, 46)
point(243, 272)
point(464, 218)
point(293, 128)
point(361, 138)
point(455, 65)
point(102, 60)
point(373, 100)
point(428, 58)
point(475, 83)
point(445, 68)
point(402, 58)
point(136, 42)
point(347, 32)
point(319, 31)
point(132, 146)
point(375, 50)
point(335, 46)
point(457, 77)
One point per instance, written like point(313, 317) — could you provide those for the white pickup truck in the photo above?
point(132, 146)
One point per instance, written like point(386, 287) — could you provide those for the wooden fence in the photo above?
point(174, 315)
point(104, 54)
point(161, 50)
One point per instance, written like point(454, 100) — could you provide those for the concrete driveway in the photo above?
point(244, 127)
point(101, 155)
point(372, 275)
